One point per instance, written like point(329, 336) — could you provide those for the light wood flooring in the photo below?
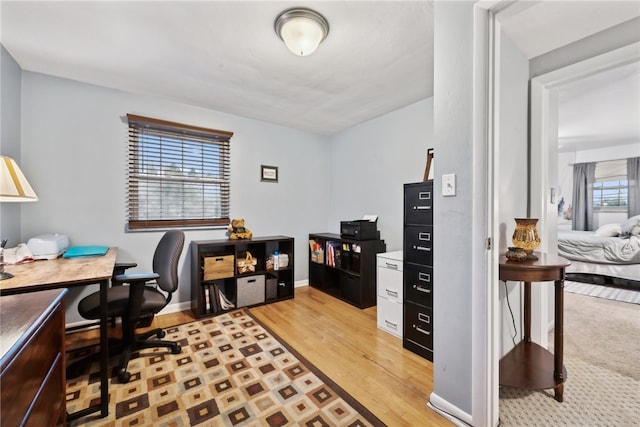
point(344, 343)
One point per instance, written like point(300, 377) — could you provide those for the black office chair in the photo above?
point(137, 303)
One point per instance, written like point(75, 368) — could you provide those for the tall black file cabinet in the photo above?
point(418, 269)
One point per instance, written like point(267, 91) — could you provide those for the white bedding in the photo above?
point(622, 271)
point(586, 246)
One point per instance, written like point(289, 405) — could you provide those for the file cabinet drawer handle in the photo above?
point(392, 293)
point(421, 289)
point(392, 266)
point(391, 324)
point(419, 329)
point(424, 236)
point(422, 208)
point(422, 248)
point(424, 277)
point(424, 318)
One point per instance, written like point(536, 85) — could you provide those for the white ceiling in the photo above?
point(225, 55)
point(600, 110)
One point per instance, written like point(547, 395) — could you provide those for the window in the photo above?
point(179, 175)
point(610, 194)
point(611, 188)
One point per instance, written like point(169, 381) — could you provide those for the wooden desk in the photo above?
point(528, 365)
point(67, 273)
point(32, 370)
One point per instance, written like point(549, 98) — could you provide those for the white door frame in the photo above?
point(486, 411)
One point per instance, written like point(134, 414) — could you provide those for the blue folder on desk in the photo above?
point(80, 251)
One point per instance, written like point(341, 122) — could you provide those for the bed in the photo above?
point(609, 255)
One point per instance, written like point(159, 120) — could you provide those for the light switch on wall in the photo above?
point(449, 184)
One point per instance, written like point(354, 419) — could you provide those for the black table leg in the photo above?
point(103, 407)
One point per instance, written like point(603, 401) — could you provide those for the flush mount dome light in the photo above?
point(301, 29)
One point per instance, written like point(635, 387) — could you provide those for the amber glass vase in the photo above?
point(525, 236)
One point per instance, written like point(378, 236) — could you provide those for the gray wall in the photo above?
point(454, 217)
point(10, 77)
point(74, 142)
point(369, 164)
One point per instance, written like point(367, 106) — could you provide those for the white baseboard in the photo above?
point(449, 411)
point(171, 308)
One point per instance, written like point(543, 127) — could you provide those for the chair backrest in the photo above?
point(165, 260)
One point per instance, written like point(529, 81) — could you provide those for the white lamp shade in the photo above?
point(302, 36)
point(14, 186)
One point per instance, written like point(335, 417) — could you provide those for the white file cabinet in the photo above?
point(389, 283)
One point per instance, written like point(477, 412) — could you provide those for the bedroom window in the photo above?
point(179, 175)
point(611, 188)
point(610, 194)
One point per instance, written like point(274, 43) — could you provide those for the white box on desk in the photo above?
point(48, 246)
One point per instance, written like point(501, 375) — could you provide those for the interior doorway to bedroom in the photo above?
point(570, 109)
point(580, 114)
point(598, 122)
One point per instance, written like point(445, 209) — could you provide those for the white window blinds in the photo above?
point(610, 170)
point(178, 175)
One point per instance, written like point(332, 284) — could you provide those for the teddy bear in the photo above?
point(237, 230)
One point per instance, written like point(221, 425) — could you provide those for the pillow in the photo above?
point(609, 230)
point(631, 227)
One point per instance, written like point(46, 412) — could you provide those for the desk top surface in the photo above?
point(20, 316)
point(58, 273)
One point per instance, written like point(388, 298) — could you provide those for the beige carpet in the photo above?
point(602, 357)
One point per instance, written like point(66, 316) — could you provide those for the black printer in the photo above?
point(359, 229)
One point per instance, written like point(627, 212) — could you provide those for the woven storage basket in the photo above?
point(247, 265)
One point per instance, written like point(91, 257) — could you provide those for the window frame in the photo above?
point(618, 187)
point(188, 135)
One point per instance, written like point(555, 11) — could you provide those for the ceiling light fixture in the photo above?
point(301, 29)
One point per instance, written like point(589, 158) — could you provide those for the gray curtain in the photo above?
point(633, 177)
point(583, 177)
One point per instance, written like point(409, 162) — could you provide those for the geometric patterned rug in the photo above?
point(232, 371)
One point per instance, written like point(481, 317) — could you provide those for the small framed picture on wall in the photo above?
point(268, 173)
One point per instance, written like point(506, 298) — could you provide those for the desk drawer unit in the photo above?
point(418, 276)
point(32, 375)
point(390, 279)
point(418, 283)
point(390, 293)
point(419, 330)
point(418, 244)
point(418, 204)
point(390, 318)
